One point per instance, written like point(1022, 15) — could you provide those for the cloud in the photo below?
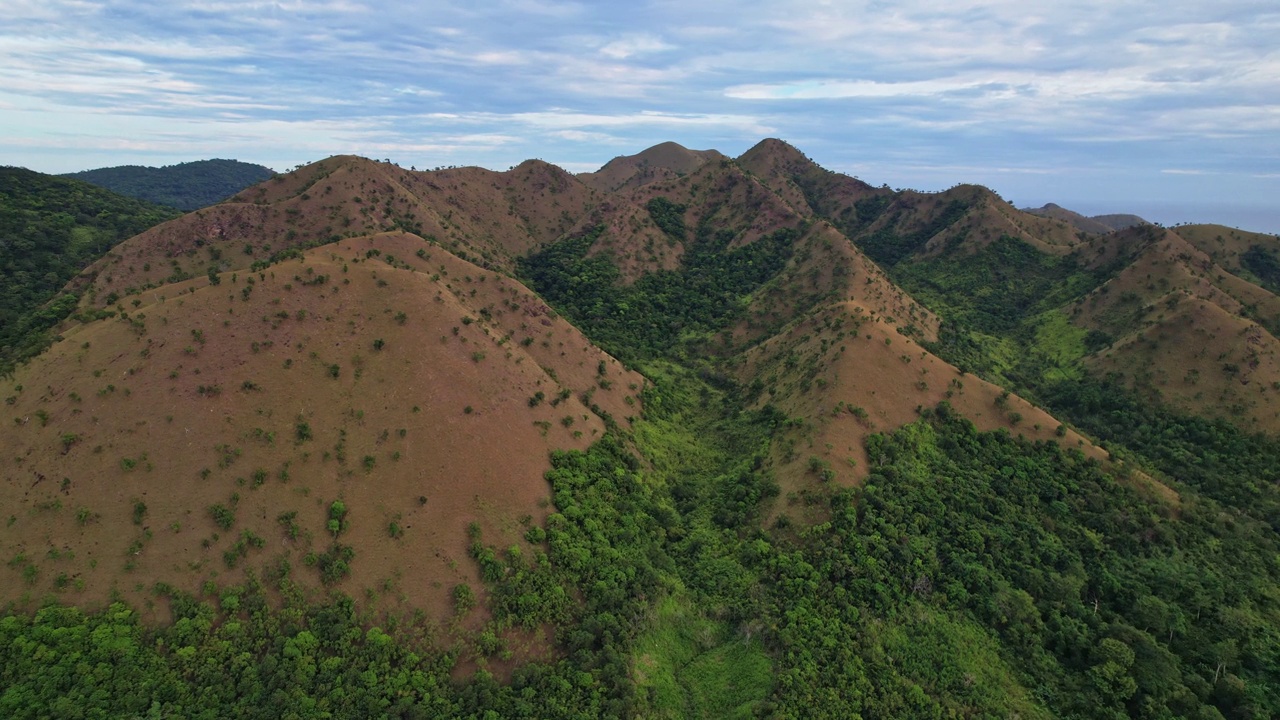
point(942, 88)
point(558, 120)
point(634, 45)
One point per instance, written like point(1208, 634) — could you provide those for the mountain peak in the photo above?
point(1098, 224)
point(660, 162)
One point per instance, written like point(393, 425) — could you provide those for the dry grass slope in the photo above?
point(421, 390)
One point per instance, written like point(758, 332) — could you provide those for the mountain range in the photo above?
point(687, 436)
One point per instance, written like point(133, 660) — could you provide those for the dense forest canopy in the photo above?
point(185, 186)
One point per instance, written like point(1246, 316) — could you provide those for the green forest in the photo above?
point(51, 229)
point(972, 575)
point(186, 186)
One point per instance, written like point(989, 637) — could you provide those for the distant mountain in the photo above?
point(185, 186)
point(1098, 224)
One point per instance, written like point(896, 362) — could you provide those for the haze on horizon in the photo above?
point(1170, 111)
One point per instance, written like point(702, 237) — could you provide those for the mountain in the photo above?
point(50, 229)
point(691, 436)
point(1098, 224)
point(356, 371)
point(185, 186)
point(661, 162)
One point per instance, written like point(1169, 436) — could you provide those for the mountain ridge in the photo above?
point(534, 444)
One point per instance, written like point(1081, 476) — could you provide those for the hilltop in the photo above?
point(689, 436)
point(1097, 225)
point(186, 186)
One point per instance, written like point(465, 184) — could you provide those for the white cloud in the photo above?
point(944, 89)
point(635, 45)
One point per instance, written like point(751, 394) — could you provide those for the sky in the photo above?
point(1168, 109)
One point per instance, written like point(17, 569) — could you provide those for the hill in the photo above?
point(401, 385)
point(661, 162)
point(693, 436)
point(185, 186)
point(50, 229)
point(1098, 224)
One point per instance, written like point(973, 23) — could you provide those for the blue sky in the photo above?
point(1168, 109)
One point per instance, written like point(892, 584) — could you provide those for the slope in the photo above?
point(1187, 332)
point(664, 161)
point(1096, 225)
point(421, 391)
point(50, 229)
point(482, 216)
point(890, 226)
point(1250, 255)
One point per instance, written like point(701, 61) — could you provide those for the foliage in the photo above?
point(653, 315)
point(994, 290)
point(1264, 264)
point(50, 229)
point(886, 246)
point(185, 186)
point(971, 575)
point(1215, 458)
point(669, 217)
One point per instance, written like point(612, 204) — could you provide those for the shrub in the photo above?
point(223, 516)
point(464, 598)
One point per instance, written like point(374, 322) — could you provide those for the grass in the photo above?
point(693, 667)
point(1061, 343)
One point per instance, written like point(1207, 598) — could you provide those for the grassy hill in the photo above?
point(185, 186)
point(689, 437)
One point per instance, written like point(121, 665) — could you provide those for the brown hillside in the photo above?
point(487, 217)
point(1072, 218)
point(1184, 330)
point(1119, 221)
point(1196, 356)
point(1165, 265)
point(1225, 245)
point(825, 267)
point(719, 194)
point(420, 390)
point(664, 161)
point(861, 210)
point(802, 183)
point(987, 219)
point(847, 373)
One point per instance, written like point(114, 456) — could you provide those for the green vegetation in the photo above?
point(669, 217)
point(887, 247)
point(1264, 264)
point(1002, 577)
point(970, 574)
point(50, 229)
point(664, 309)
point(185, 186)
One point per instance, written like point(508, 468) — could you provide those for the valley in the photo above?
point(688, 436)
